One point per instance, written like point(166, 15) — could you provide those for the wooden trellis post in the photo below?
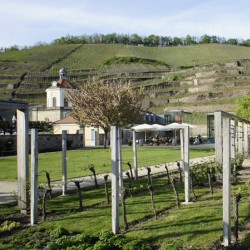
point(120, 161)
point(186, 163)
point(218, 136)
point(34, 177)
point(23, 158)
point(135, 156)
point(64, 162)
point(246, 140)
point(115, 178)
point(233, 140)
point(226, 182)
point(240, 137)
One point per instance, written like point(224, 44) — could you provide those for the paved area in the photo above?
point(8, 189)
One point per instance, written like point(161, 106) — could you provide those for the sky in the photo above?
point(28, 22)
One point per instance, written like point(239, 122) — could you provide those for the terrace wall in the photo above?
point(46, 143)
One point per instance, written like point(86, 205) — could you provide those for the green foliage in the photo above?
point(136, 244)
point(41, 126)
point(7, 226)
point(200, 172)
point(105, 240)
point(131, 59)
point(243, 108)
point(58, 232)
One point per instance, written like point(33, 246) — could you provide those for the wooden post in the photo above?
point(226, 182)
point(186, 164)
point(135, 156)
point(218, 136)
point(64, 162)
point(23, 158)
point(115, 179)
point(34, 177)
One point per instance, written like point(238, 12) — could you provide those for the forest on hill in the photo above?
point(135, 39)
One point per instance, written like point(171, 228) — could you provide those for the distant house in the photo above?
point(68, 123)
point(92, 135)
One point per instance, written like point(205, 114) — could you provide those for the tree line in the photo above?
point(135, 39)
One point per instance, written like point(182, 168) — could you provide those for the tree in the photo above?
point(205, 39)
point(232, 41)
point(243, 107)
point(106, 104)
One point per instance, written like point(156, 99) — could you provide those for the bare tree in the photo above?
point(106, 104)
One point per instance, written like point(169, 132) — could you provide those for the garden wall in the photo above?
point(46, 143)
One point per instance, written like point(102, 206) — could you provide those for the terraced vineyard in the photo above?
point(198, 78)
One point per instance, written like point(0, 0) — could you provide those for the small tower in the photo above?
point(56, 92)
point(63, 74)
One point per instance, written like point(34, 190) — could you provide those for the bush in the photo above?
point(7, 226)
point(199, 172)
point(137, 244)
point(58, 232)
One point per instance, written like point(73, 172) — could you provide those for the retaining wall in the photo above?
point(46, 143)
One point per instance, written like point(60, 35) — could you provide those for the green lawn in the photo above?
point(194, 226)
point(78, 161)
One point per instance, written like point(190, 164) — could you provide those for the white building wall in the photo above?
point(50, 115)
point(58, 93)
point(70, 128)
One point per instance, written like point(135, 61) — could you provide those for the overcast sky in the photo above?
point(26, 22)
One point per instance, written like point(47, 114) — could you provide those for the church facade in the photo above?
point(58, 111)
point(57, 106)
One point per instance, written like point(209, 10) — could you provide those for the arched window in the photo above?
point(54, 102)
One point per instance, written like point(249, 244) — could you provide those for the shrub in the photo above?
point(7, 226)
point(58, 232)
point(137, 244)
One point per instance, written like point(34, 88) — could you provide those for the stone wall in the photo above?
point(46, 143)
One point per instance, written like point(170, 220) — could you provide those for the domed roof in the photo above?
point(63, 71)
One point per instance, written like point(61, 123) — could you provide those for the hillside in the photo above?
point(197, 78)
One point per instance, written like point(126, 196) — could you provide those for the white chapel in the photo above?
point(57, 106)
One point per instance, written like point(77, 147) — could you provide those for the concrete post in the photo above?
point(232, 136)
point(186, 164)
point(218, 136)
point(182, 148)
point(23, 158)
point(64, 162)
point(226, 182)
point(240, 137)
point(245, 146)
point(34, 177)
point(135, 156)
point(115, 179)
point(120, 160)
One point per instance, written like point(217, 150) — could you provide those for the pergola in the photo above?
point(231, 136)
point(117, 169)
point(22, 111)
point(184, 138)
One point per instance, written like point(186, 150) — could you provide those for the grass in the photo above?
point(45, 61)
point(194, 226)
point(78, 161)
point(189, 55)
